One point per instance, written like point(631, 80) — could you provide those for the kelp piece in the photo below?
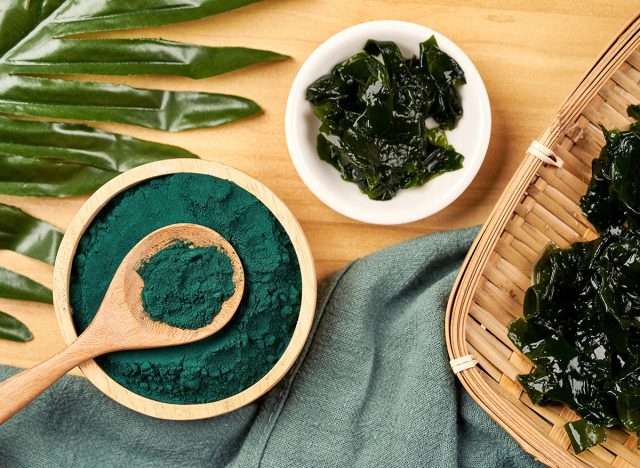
point(581, 324)
point(15, 286)
point(60, 160)
point(613, 194)
point(27, 235)
point(444, 76)
point(428, 84)
point(373, 117)
point(13, 329)
point(584, 435)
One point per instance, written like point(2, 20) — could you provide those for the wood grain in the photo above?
point(530, 55)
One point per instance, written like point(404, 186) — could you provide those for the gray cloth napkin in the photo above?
point(372, 388)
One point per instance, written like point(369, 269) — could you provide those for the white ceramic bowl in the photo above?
point(470, 137)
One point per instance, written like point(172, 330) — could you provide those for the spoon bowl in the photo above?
point(121, 322)
point(126, 287)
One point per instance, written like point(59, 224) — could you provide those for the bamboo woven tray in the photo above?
point(540, 205)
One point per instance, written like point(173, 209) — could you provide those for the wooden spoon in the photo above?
point(121, 322)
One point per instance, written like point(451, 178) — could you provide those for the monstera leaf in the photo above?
point(47, 159)
point(35, 40)
point(39, 158)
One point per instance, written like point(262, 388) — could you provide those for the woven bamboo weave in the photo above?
point(540, 205)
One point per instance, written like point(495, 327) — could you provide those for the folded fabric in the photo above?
point(372, 388)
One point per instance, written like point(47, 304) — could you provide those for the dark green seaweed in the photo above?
point(373, 117)
point(581, 324)
point(613, 195)
point(583, 434)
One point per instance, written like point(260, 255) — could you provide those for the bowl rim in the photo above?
point(298, 155)
point(87, 213)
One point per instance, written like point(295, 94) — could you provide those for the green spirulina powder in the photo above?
point(186, 285)
point(250, 344)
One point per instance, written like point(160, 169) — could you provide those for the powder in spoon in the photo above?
point(186, 285)
point(251, 343)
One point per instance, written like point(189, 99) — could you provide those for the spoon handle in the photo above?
point(21, 389)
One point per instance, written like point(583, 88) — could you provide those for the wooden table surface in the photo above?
point(530, 55)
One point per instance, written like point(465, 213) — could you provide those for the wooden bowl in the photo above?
point(83, 219)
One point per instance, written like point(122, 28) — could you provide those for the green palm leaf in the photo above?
point(33, 41)
point(81, 144)
point(108, 102)
point(27, 235)
point(133, 57)
point(41, 177)
point(15, 286)
point(27, 23)
point(43, 159)
point(13, 329)
point(62, 160)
